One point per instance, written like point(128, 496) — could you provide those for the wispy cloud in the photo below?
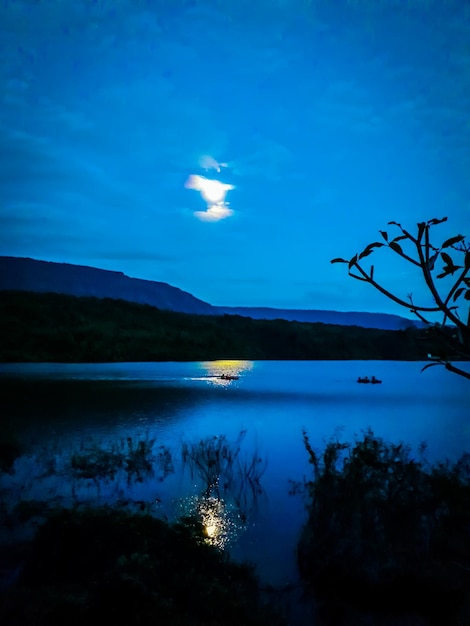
point(214, 213)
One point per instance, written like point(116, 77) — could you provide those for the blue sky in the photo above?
point(333, 117)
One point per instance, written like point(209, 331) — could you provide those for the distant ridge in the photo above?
point(25, 274)
point(384, 321)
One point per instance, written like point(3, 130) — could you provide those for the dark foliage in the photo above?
point(58, 328)
point(10, 447)
point(101, 566)
point(388, 532)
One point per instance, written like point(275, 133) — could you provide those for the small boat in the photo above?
point(229, 377)
point(366, 379)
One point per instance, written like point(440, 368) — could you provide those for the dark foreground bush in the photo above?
point(101, 566)
point(387, 533)
point(10, 450)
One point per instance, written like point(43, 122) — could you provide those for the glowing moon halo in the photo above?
point(213, 192)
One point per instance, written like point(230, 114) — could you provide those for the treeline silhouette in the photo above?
point(49, 327)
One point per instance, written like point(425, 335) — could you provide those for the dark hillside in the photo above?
point(22, 274)
point(79, 280)
point(59, 328)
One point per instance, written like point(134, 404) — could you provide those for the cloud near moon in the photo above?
point(213, 192)
point(214, 213)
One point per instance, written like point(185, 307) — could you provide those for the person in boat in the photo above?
point(363, 380)
point(374, 380)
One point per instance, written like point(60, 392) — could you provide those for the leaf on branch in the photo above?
point(353, 261)
point(447, 259)
point(467, 295)
point(372, 272)
point(399, 238)
point(369, 249)
point(421, 228)
point(467, 281)
point(449, 269)
point(395, 224)
point(384, 234)
point(436, 221)
point(458, 293)
point(452, 241)
point(395, 247)
point(338, 260)
point(432, 261)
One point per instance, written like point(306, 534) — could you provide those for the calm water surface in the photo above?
point(63, 405)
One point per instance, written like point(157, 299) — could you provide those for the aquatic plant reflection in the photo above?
point(222, 471)
point(228, 483)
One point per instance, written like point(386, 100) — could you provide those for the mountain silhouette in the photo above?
point(25, 274)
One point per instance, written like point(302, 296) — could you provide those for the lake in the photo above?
point(56, 409)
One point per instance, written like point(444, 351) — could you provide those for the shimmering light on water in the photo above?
point(220, 521)
point(57, 407)
point(225, 372)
